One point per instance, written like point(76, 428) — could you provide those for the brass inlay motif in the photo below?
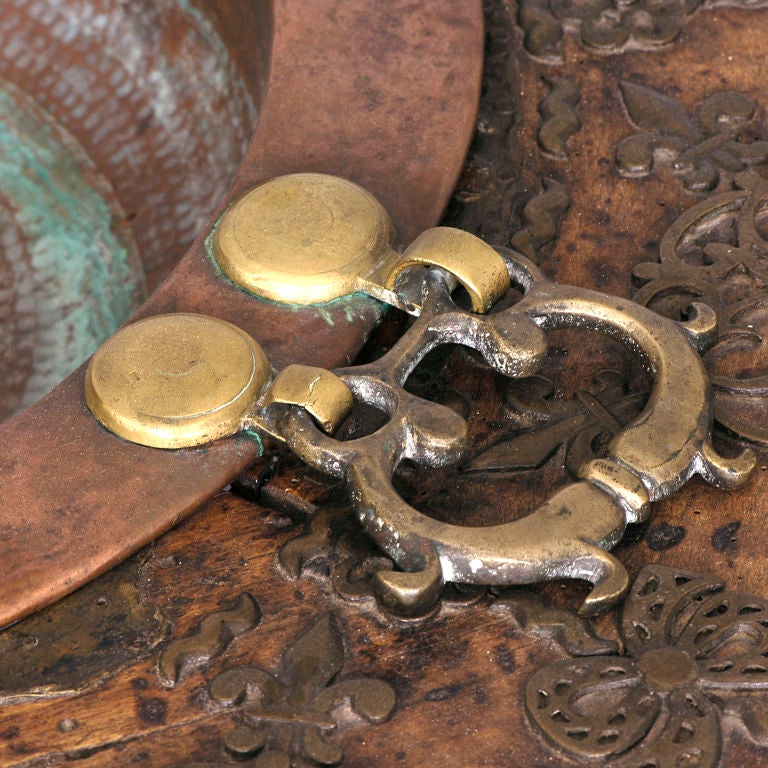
point(609, 26)
point(541, 219)
point(559, 119)
point(716, 253)
point(704, 149)
point(173, 381)
point(288, 717)
point(541, 424)
point(568, 630)
point(211, 638)
point(692, 651)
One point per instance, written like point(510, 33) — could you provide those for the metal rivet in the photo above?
point(304, 238)
point(174, 381)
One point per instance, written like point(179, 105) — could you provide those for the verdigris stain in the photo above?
point(77, 268)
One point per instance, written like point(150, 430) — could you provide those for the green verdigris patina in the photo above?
point(73, 268)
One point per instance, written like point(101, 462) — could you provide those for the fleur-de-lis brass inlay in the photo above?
point(691, 651)
point(286, 718)
point(703, 148)
point(583, 424)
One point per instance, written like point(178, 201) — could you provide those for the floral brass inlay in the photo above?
point(692, 653)
point(286, 718)
point(716, 253)
point(610, 26)
point(542, 423)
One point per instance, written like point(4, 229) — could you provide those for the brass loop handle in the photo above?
point(566, 537)
point(183, 380)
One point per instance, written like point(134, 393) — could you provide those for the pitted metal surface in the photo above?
point(567, 537)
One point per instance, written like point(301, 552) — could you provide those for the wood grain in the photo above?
point(460, 675)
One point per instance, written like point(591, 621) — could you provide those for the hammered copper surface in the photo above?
point(383, 95)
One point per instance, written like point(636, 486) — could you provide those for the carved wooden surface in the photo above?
point(273, 649)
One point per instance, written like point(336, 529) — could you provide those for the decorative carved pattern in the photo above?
point(287, 718)
point(541, 219)
point(705, 149)
point(490, 192)
point(573, 633)
point(610, 26)
point(560, 120)
point(333, 542)
point(691, 650)
point(542, 424)
point(210, 639)
point(716, 253)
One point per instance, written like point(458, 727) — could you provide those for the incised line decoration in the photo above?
point(693, 652)
point(286, 719)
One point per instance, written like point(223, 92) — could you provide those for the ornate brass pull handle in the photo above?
point(568, 535)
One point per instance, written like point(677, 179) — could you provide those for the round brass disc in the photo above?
point(174, 381)
point(303, 239)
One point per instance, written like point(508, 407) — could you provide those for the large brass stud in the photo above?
point(305, 238)
point(174, 381)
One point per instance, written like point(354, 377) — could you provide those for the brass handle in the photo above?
point(183, 380)
point(567, 536)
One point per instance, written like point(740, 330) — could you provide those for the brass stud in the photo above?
point(174, 381)
point(305, 238)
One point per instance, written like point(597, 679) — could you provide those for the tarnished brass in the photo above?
point(567, 536)
point(212, 637)
point(304, 238)
point(325, 396)
point(288, 717)
point(471, 261)
point(691, 652)
point(309, 238)
point(173, 381)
